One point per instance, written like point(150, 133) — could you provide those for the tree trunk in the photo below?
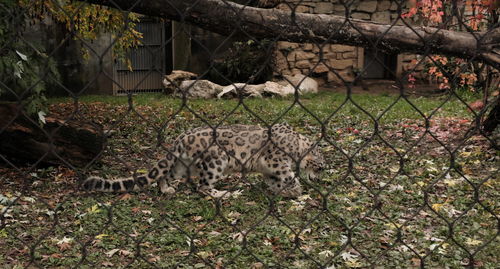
point(58, 142)
point(225, 17)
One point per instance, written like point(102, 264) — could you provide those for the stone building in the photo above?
point(346, 61)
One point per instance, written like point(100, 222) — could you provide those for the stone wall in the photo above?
point(338, 61)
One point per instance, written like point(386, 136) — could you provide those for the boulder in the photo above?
point(198, 89)
point(304, 83)
point(244, 89)
point(274, 88)
point(270, 88)
point(172, 82)
point(181, 83)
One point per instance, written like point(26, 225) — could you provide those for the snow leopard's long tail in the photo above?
point(129, 184)
point(117, 185)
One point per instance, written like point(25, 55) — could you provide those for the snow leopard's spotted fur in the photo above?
point(195, 154)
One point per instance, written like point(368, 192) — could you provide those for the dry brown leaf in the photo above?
point(107, 264)
point(64, 246)
point(126, 196)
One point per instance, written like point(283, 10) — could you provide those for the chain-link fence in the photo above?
point(330, 134)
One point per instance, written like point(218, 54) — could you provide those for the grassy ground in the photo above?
point(409, 197)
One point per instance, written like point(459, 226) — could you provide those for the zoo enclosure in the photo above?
point(310, 58)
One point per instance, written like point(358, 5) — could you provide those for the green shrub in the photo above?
point(25, 70)
point(245, 62)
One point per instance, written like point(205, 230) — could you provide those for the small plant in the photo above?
point(245, 62)
point(25, 70)
point(466, 79)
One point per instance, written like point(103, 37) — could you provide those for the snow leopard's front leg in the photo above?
point(280, 177)
point(211, 167)
point(172, 170)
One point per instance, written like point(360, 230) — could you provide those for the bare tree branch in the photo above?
point(227, 18)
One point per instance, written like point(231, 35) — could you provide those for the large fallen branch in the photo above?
point(226, 17)
point(58, 142)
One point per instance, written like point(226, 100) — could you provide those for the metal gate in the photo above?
point(148, 62)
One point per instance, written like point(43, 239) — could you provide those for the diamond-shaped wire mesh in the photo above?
point(278, 134)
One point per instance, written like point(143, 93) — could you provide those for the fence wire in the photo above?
point(409, 179)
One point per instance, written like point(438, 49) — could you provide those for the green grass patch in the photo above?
point(403, 200)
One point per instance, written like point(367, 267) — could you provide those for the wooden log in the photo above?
point(57, 142)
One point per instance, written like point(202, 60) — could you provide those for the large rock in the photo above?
point(267, 89)
point(303, 83)
point(198, 89)
point(236, 89)
point(282, 88)
point(172, 82)
point(273, 88)
point(181, 84)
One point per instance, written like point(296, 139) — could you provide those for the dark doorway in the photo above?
point(379, 65)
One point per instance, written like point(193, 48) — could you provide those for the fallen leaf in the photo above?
point(154, 259)
point(101, 236)
point(124, 252)
point(196, 218)
point(126, 196)
point(107, 264)
point(135, 209)
point(437, 206)
point(257, 265)
point(326, 254)
point(64, 246)
point(477, 105)
point(473, 242)
point(112, 252)
point(94, 209)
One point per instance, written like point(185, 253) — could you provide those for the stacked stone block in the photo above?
point(338, 60)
